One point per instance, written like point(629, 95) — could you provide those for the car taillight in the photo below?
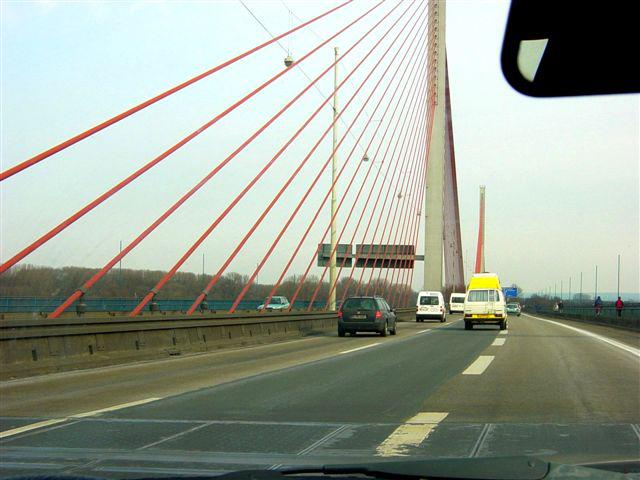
point(378, 314)
point(340, 314)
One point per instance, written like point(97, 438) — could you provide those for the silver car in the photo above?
point(276, 303)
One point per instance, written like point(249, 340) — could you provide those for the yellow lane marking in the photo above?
point(32, 426)
point(479, 366)
point(411, 434)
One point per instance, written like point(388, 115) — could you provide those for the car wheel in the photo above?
point(395, 329)
point(468, 326)
point(385, 330)
point(340, 332)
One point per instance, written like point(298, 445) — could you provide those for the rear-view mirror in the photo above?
point(564, 48)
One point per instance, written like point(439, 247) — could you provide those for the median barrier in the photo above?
point(38, 346)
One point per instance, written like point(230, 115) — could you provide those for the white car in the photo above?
point(430, 305)
point(276, 303)
point(456, 302)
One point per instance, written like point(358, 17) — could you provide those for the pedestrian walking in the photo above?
point(619, 306)
point(598, 305)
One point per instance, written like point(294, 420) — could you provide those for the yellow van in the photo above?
point(485, 302)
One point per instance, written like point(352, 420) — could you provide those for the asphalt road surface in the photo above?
point(563, 391)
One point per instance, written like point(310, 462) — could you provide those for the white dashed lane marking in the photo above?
point(54, 421)
point(359, 348)
point(498, 342)
point(479, 366)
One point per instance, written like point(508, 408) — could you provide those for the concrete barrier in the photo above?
point(38, 346)
point(30, 347)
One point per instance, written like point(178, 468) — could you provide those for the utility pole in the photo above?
point(595, 293)
point(580, 287)
point(618, 275)
point(120, 266)
point(332, 260)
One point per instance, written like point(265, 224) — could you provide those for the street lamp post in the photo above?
point(332, 260)
point(618, 275)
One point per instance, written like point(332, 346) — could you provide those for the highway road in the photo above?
point(565, 391)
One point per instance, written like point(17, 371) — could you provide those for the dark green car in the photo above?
point(366, 314)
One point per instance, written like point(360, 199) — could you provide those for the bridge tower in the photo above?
point(442, 217)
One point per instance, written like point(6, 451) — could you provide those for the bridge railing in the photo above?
point(630, 317)
point(123, 305)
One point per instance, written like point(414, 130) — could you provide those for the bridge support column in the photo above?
point(434, 195)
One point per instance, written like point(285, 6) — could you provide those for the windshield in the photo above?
point(264, 234)
point(429, 301)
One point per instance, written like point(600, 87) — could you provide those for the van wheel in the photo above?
point(341, 332)
point(443, 319)
point(503, 325)
point(385, 330)
point(468, 326)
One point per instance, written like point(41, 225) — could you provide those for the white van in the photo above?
point(430, 305)
point(485, 303)
point(456, 302)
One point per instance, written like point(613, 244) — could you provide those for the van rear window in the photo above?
point(457, 300)
point(429, 301)
point(478, 296)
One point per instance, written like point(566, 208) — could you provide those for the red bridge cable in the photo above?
point(398, 297)
point(297, 249)
point(237, 199)
point(420, 94)
point(126, 181)
point(408, 184)
point(345, 222)
point(400, 267)
point(405, 220)
point(408, 181)
point(410, 291)
point(183, 199)
point(306, 272)
point(313, 220)
point(397, 273)
point(379, 170)
point(53, 150)
point(386, 199)
point(301, 202)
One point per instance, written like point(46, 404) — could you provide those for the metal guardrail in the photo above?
point(590, 312)
point(630, 318)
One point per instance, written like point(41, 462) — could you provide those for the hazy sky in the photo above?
point(562, 175)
